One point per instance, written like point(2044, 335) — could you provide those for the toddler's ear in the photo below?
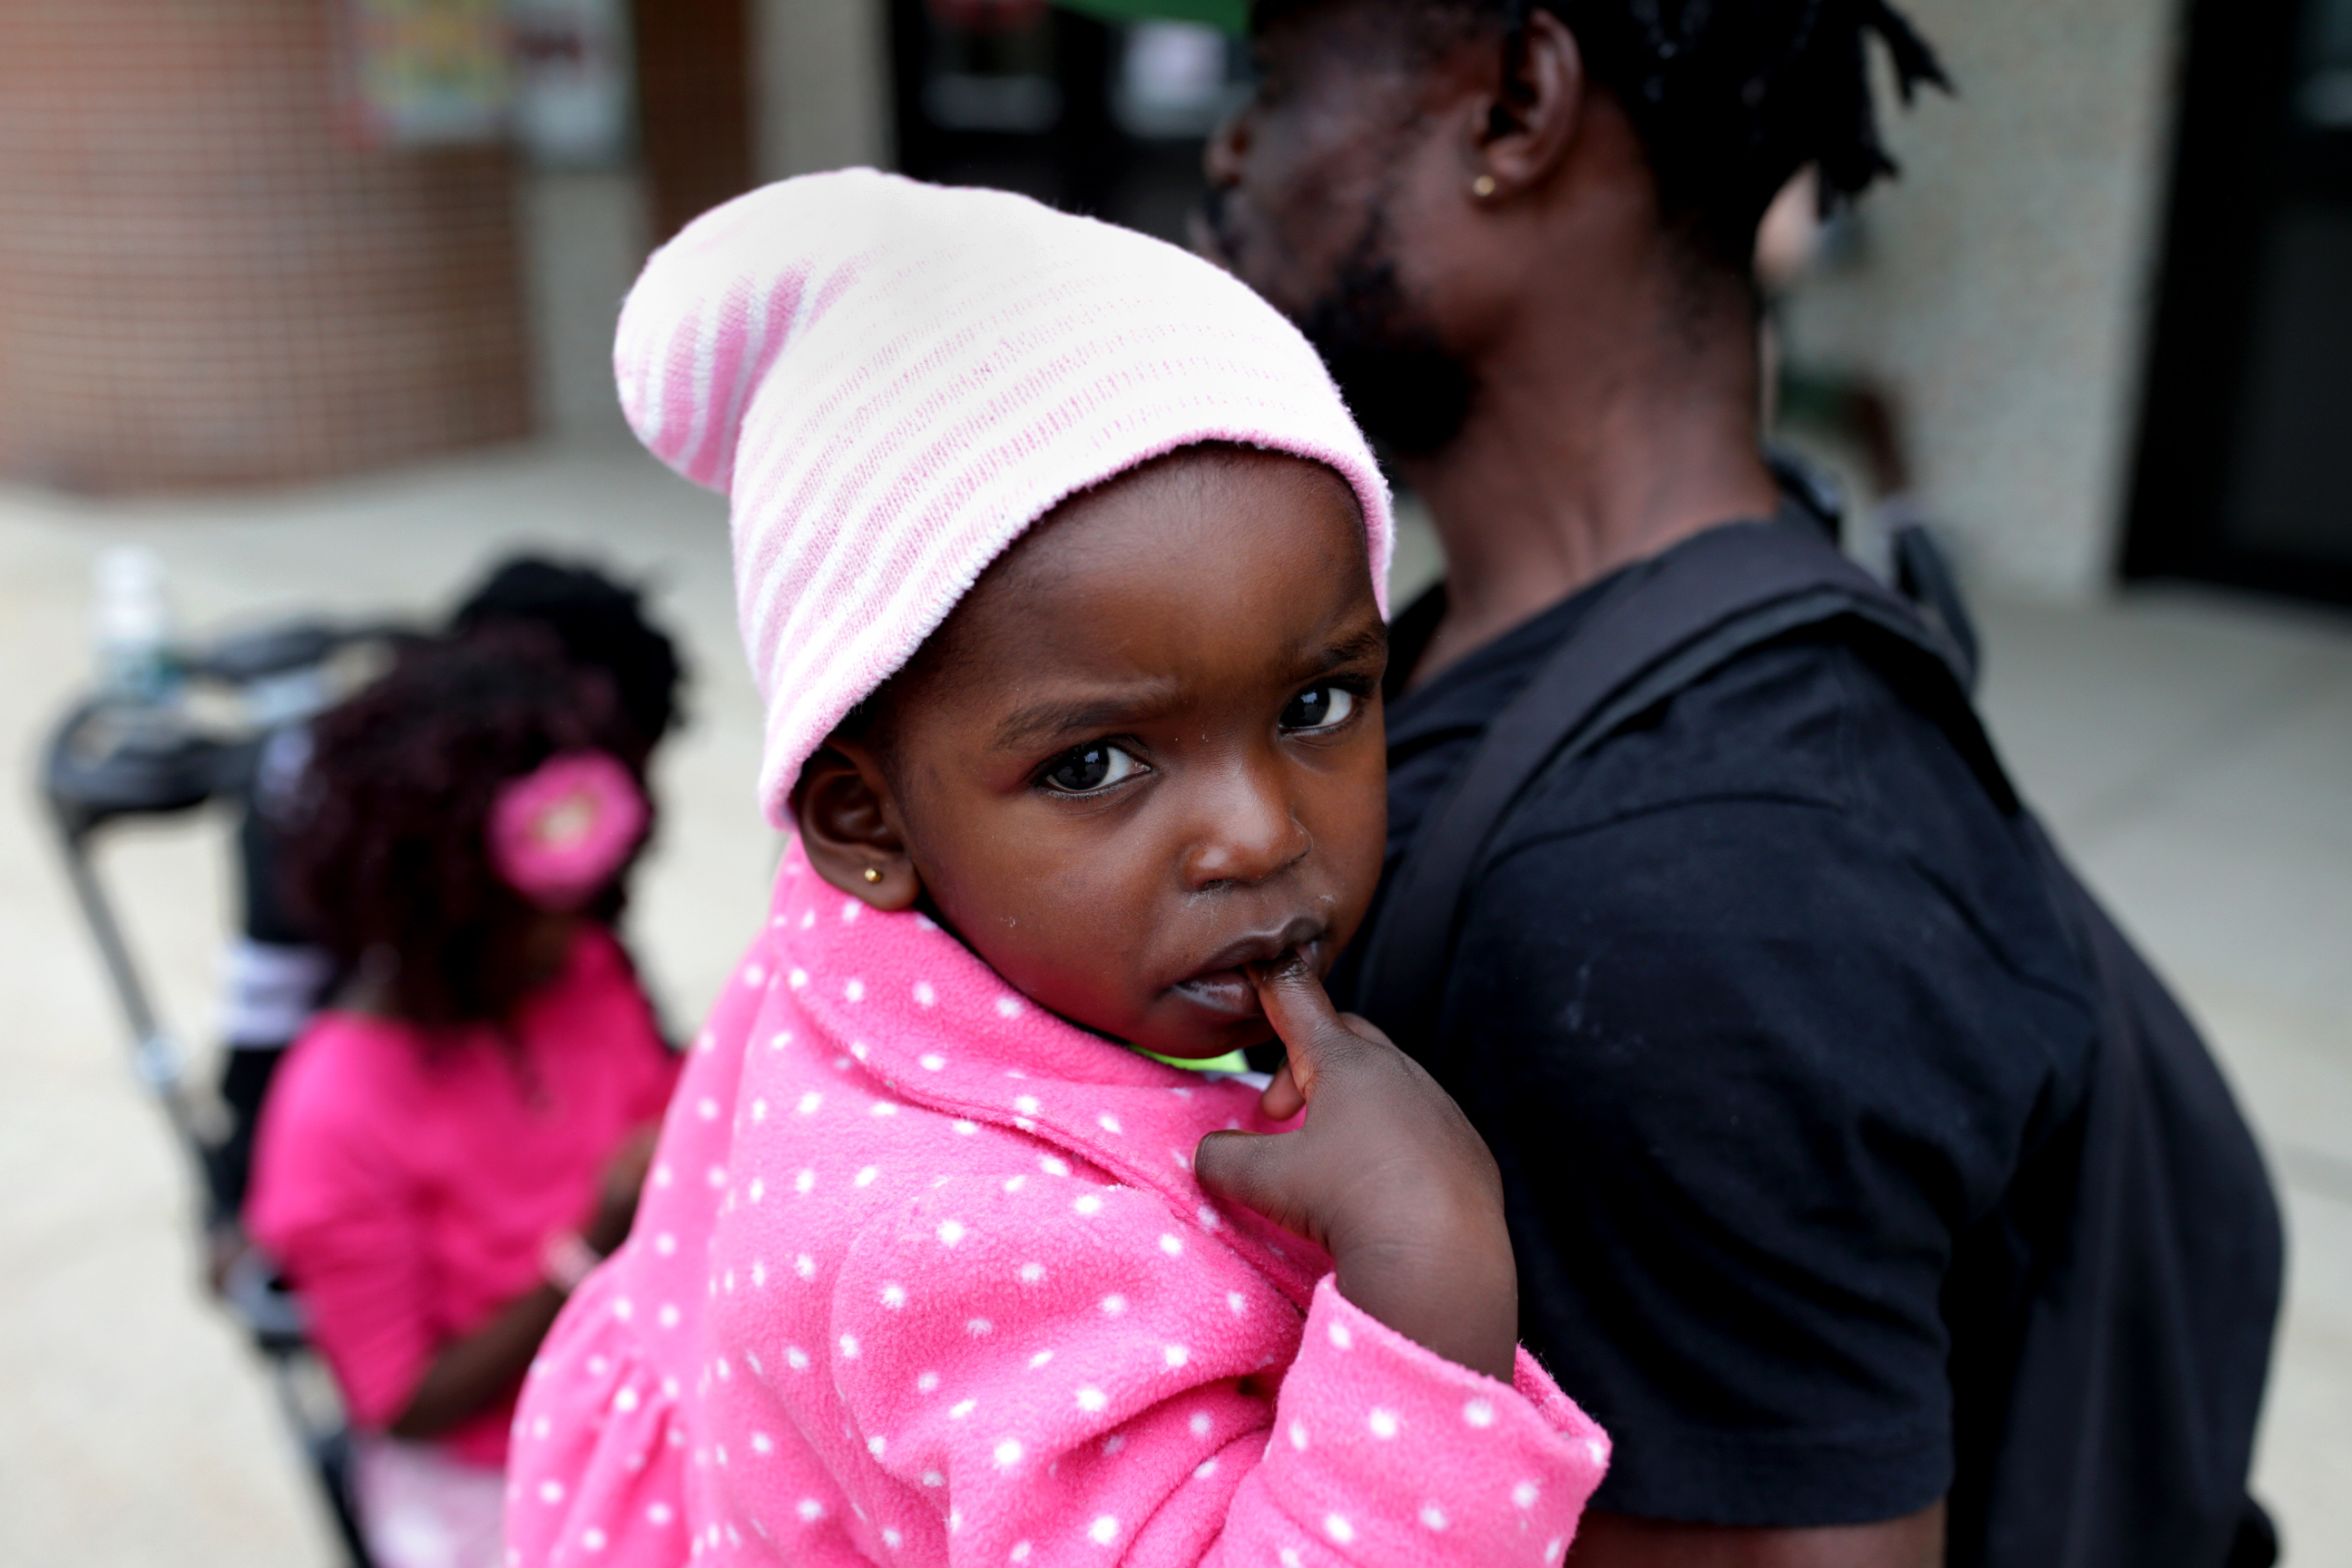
point(849, 828)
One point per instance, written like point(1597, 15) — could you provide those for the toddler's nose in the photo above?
point(1245, 831)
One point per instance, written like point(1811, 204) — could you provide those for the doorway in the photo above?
point(2244, 472)
point(1103, 118)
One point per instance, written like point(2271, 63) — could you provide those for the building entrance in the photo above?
point(2244, 473)
point(1090, 113)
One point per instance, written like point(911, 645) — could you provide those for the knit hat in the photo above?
point(890, 381)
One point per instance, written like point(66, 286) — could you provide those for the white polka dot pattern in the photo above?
point(1013, 1311)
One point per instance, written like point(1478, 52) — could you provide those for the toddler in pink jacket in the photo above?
point(969, 1239)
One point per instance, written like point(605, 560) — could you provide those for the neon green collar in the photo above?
point(1231, 1061)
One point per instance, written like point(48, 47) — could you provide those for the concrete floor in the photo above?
point(2194, 753)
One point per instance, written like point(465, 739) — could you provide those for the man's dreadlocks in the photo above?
point(1730, 97)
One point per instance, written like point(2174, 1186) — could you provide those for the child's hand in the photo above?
point(1386, 1174)
point(617, 1188)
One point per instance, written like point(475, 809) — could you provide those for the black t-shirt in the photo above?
point(1763, 1008)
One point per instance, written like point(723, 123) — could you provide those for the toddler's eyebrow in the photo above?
point(1024, 727)
point(1363, 645)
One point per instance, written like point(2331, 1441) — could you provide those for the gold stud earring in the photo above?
point(1483, 187)
point(873, 873)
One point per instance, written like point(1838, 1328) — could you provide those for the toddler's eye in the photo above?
point(1318, 708)
point(1085, 769)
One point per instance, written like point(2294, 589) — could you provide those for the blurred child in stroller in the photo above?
point(275, 974)
point(461, 1133)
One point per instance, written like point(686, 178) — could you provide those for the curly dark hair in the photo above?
point(600, 622)
point(391, 852)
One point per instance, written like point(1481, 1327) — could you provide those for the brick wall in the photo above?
point(205, 280)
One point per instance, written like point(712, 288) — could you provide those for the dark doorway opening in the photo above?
point(2244, 473)
point(1099, 118)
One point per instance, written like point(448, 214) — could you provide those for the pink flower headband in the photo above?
point(558, 833)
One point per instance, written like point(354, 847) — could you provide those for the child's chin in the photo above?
point(1201, 1047)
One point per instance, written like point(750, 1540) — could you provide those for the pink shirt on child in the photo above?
point(922, 1276)
point(405, 1183)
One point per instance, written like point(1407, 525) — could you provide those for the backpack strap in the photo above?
point(1668, 623)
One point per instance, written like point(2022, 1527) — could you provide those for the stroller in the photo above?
point(142, 752)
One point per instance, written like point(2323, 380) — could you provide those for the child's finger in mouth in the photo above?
point(1226, 983)
point(1226, 991)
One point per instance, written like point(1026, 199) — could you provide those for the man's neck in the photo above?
point(1602, 433)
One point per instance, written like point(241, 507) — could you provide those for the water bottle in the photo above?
point(132, 622)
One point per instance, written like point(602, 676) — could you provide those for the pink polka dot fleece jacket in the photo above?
point(922, 1275)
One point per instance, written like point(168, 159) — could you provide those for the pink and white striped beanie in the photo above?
point(890, 381)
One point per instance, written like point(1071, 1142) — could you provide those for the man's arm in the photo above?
point(1750, 1075)
point(1621, 1540)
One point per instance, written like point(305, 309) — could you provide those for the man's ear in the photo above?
point(849, 827)
point(1525, 126)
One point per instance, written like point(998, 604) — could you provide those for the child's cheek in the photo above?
point(1351, 834)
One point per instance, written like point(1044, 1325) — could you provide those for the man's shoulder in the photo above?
point(1805, 720)
point(1787, 859)
point(1808, 744)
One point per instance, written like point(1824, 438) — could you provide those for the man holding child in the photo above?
point(1763, 1001)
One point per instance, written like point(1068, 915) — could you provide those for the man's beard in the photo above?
point(1404, 385)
